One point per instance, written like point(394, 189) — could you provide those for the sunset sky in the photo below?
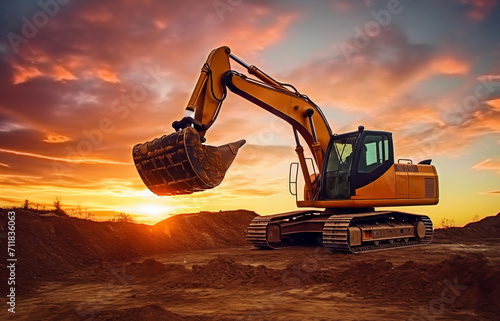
point(81, 82)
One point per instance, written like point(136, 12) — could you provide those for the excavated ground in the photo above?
point(199, 267)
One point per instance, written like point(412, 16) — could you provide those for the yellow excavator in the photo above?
point(356, 171)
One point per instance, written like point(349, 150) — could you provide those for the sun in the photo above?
point(151, 210)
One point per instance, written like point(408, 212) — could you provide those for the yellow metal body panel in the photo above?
point(420, 185)
point(383, 187)
point(350, 203)
point(402, 184)
point(409, 182)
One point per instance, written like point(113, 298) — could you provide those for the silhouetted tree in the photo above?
point(57, 204)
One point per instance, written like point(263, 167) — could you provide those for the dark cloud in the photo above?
point(478, 10)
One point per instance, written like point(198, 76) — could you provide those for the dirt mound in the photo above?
point(84, 258)
point(487, 229)
point(206, 229)
point(224, 271)
point(148, 268)
point(490, 222)
point(51, 247)
point(217, 273)
point(457, 282)
point(149, 312)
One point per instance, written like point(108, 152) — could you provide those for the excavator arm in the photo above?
point(175, 164)
point(295, 108)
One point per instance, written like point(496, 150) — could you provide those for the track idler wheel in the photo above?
point(420, 229)
point(179, 163)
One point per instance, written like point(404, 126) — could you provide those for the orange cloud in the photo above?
point(343, 6)
point(430, 138)
point(23, 74)
point(63, 159)
point(261, 35)
point(99, 15)
point(161, 23)
point(61, 73)
point(106, 74)
point(495, 103)
point(489, 77)
point(450, 66)
point(490, 192)
point(56, 138)
point(488, 165)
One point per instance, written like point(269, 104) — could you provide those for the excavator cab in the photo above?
point(359, 171)
point(354, 160)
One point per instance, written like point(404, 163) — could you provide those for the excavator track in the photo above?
point(336, 238)
point(257, 232)
point(314, 227)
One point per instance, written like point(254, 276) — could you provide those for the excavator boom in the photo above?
point(180, 164)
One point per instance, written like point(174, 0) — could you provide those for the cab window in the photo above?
point(373, 153)
point(338, 168)
point(341, 155)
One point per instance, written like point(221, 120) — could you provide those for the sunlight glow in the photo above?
point(151, 210)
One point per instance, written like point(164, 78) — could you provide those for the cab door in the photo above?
point(374, 157)
point(336, 181)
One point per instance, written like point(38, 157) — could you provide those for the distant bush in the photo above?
point(82, 213)
point(123, 217)
point(40, 208)
point(447, 223)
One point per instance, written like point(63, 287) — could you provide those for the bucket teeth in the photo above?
point(178, 163)
point(228, 152)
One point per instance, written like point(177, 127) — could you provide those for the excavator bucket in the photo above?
point(179, 163)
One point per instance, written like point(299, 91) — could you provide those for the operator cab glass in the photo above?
point(338, 167)
point(359, 157)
